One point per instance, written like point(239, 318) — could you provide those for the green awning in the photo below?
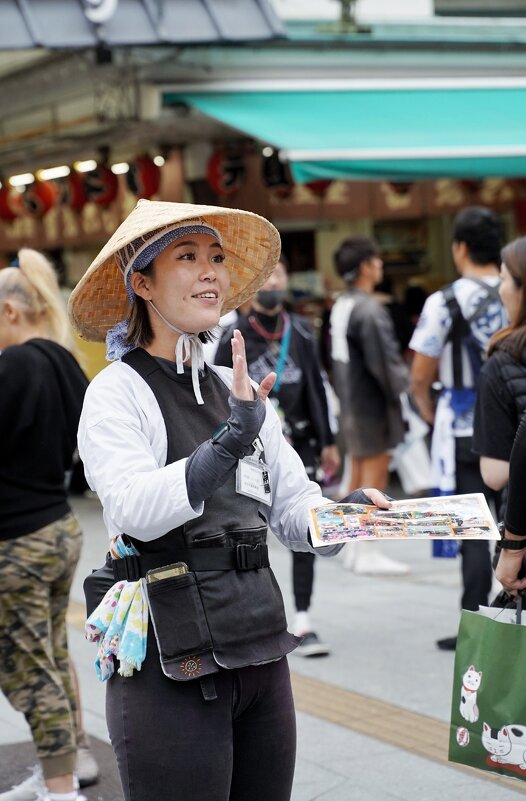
point(436, 131)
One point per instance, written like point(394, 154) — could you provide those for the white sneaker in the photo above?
point(311, 645)
point(366, 559)
point(31, 789)
point(86, 765)
point(377, 564)
point(47, 797)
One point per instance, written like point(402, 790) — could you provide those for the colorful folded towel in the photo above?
point(119, 624)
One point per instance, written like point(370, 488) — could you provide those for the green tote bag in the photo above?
point(488, 709)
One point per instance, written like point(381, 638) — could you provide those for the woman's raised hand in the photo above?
point(241, 386)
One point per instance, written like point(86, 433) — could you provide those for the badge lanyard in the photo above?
point(283, 352)
point(253, 476)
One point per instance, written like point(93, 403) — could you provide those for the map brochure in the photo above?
point(453, 517)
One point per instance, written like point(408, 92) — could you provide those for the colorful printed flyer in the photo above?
point(454, 517)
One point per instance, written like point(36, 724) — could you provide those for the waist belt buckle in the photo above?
point(249, 557)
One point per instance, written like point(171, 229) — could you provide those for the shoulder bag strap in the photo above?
point(492, 296)
point(456, 334)
point(283, 352)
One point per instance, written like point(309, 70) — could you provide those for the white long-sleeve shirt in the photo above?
point(123, 445)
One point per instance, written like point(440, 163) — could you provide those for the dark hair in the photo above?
point(140, 332)
point(351, 253)
point(512, 339)
point(415, 297)
point(285, 262)
point(481, 231)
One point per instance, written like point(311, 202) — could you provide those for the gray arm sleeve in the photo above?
point(208, 467)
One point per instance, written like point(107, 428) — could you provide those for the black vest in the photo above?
point(243, 608)
point(513, 374)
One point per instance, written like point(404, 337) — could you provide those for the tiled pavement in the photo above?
point(372, 717)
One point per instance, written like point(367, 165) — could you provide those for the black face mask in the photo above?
point(270, 298)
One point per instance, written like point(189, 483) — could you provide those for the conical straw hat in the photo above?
point(251, 245)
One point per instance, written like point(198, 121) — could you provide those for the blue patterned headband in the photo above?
point(140, 253)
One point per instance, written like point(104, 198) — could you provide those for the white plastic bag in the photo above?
point(411, 458)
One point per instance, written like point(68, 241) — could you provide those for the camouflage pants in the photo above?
point(36, 571)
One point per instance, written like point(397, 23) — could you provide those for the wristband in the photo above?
point(229, 442)
point(512, 545)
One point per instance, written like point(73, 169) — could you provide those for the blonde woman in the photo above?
point(42, 389)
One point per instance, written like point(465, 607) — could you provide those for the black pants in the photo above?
point(476, 559)
point(303, 563)
point(302, 579)
point(172, 745)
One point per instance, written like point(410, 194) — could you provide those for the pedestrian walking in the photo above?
point(450, 341)
point(278, 341)
point(368, 374)
point(42, 389)
point(191, 466)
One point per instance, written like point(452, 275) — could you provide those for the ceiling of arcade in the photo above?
point(60, 108)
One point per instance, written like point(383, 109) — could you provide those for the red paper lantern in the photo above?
point(143, 177)
point(276, 175)
point(319, 188)
point(226, 170)
point(10, 205)
point(71, 191)
point(38, 198)
point(101, 185)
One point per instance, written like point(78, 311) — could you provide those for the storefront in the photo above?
point(371, 155)
point(327, 134)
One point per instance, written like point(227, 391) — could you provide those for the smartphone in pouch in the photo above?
point(179, 622)
point(166, 572)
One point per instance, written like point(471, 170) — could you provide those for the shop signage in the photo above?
point(226, 170)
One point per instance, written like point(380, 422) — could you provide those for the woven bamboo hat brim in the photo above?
point(251, 245)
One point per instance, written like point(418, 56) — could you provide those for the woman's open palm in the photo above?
point(241, 387)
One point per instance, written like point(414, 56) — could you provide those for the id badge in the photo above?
point(253, 480)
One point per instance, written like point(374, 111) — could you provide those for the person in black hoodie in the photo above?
point(501, 391)
point(282, 342)
point(41, 393)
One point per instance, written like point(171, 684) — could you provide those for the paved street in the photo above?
point(372, 717)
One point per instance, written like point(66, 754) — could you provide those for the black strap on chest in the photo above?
point(461, 326)
point(457, 332)
point(151, 372)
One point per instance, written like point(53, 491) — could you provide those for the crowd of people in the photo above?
point(204, 433)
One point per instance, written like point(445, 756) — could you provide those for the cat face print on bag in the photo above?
point(468, 694)
point(507, 745)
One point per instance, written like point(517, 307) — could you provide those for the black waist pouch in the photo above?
point(96, 585)
point(181, 629)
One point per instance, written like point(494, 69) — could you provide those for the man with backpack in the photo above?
point(450, 343)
